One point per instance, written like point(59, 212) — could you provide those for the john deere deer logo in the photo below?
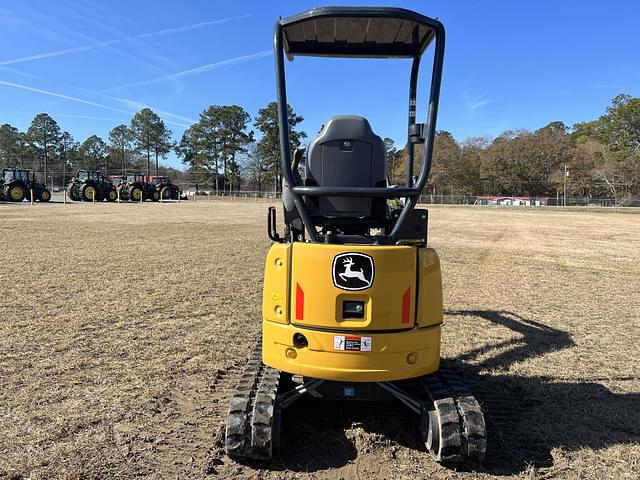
point(353, 271)
point(348, 273)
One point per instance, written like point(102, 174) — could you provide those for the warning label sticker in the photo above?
point(351, 343)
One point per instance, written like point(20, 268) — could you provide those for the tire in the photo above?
point(155, 196)
point(111, 196)
point(15, 193)
point(88, 192)
point(72, 192)
point(45, 195)
point(171, 193)
point(135, 194)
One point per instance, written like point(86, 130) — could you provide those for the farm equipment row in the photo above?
point(17, 185)
point(89, 186)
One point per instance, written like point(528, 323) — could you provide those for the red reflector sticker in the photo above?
point(406, 305)
point(299, 302)
point(351, 343)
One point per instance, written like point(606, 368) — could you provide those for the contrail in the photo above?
point(60, 95)
point(78, 100)
point(106, 43)
point(86, 117)
point(197, 70)
point(19, 72)
point(139, 106)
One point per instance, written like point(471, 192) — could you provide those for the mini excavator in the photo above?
point(352, 300)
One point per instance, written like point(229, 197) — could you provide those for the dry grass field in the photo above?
point(124, 327)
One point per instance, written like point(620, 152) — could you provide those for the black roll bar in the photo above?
point(410, 191)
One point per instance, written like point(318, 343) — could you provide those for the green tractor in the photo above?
point(17, 185)
point(135, 188)
point(89, 186)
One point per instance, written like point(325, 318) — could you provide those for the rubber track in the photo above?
point(249, 432)
point(263, 427)
point(238, 430)
point(462, 425)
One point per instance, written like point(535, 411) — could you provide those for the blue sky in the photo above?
point(508, 64)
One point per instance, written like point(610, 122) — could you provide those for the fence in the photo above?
point(194, 191)
point(505, 200)
point(427, 199)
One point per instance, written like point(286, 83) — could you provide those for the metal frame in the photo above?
point(410, 191)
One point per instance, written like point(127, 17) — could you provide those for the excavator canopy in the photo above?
point(358, 32)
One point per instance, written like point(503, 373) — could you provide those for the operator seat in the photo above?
point(346, 153)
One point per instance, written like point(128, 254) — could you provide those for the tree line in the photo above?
point(599, 158)
point(595, 159)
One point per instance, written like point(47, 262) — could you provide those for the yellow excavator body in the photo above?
point(325, 318)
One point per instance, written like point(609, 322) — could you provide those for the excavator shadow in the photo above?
point(530, 416)
point(527, 416)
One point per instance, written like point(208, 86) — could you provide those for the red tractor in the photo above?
point(169, 191)
point(119, 182)
point(137, 188)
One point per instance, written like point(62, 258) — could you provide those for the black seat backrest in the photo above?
point(346, 153)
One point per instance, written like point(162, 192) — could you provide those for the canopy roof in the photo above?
point(358, 32)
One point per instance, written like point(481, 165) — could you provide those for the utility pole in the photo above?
point(566, 174)
point(46, 158)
